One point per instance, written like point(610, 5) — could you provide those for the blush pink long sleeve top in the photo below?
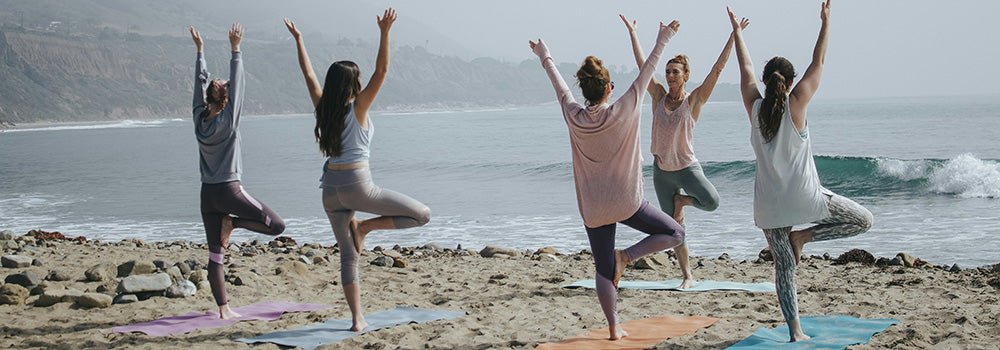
point(604, 139)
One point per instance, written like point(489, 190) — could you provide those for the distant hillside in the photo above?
point(85, 67)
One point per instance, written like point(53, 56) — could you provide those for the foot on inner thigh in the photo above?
point(227, 230)
point(359, 324)
point(621, 260)
point(359, 238)
point(617, 332)
point(680, 201)
point(798, 239)
point(226, 313)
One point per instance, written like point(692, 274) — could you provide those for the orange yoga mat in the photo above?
point(642, 334)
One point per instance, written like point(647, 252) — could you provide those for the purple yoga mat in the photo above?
point(269, 311)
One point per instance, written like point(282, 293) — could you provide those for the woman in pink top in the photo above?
point(674, 114)
point(607, 170)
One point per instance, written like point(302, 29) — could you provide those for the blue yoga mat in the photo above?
point(827, 332)
point(699, 286)
point(335, 330)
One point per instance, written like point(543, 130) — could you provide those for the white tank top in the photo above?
point(787, 190)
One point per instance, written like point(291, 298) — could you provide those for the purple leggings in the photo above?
point(664, 233)
point(229, 198)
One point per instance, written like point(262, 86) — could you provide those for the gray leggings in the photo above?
point(347, 191)
point(694, 183)
point(847, 218)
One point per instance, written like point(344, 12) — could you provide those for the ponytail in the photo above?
point(777, 74)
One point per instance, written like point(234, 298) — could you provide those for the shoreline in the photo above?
point(512, 299)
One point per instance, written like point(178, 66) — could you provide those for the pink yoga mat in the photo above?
point(268, 311)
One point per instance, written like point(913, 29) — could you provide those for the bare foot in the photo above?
point(621, 260)
point(798, 239)
point(688, 282)
point(359, 324)
point(359, 239)
point(617, 332)
point(800, 337)
point(680, 201)
point(227, 230)
point(227, 314)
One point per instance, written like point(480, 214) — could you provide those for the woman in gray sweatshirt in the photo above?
point(224, 203)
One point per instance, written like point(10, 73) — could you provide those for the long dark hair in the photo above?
point(593, 79)
point(340, 86)
point(778, 72)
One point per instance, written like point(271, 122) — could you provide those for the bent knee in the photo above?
point(277, 227)
point(423, 216)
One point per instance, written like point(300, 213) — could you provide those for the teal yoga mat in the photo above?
point(827, 332)
point(699, 286)
point(335, 330)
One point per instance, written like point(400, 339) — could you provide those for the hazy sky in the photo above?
point(877, 48)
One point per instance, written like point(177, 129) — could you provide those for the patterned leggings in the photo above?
point(847, 218)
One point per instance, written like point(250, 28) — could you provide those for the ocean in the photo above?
point(927, 168)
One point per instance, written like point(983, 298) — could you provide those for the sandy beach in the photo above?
point(512, 301)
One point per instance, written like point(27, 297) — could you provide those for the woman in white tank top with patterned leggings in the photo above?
point(787, 190)
point(675, 167)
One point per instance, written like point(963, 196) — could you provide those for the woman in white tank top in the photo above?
point(787, 190)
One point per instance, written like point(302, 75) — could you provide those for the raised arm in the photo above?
point(806, 88)
point(656, 90)
point(200, 74)
point(312, 83)
point(701, 94)
point(236, 81)
point(748, 83)
point(367, 95)
point(631, 100)
point(563, 94)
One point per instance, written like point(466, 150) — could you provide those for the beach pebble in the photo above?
point(907, 259)
point(108, 287)
point(13, 294)
point(242, 281)
point(896, 261)
point(383, 261)
point(162, 264)
point(197, 276)
point(137, 284)
point(546, 257)
point(724, 256)
point(6, 235)
point(645, 263)
point(399, 263)
point(125, 299)
point(102, 272)
point(16, 261)
point(547, 250)
point(194, 264)
point(94, 300)
point(706, 264)
point(26, 279)
point(52, 297)
point(392, 253)
point(431, 246)
point(9, 245)
point(136, 268)
point(492, 251)
point(826, 256)
point(305, 250)
point(183, 288)
point(293, 267)
point(184, 268)
point(319, 260)
point(955, 268)
point(305, 260)
point(855, 255)
point(765, 255)
point(36, 262)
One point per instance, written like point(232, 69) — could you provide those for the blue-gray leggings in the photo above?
point(694, 183)
point(347, 191)
point(847, 218)
point(664, 233)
